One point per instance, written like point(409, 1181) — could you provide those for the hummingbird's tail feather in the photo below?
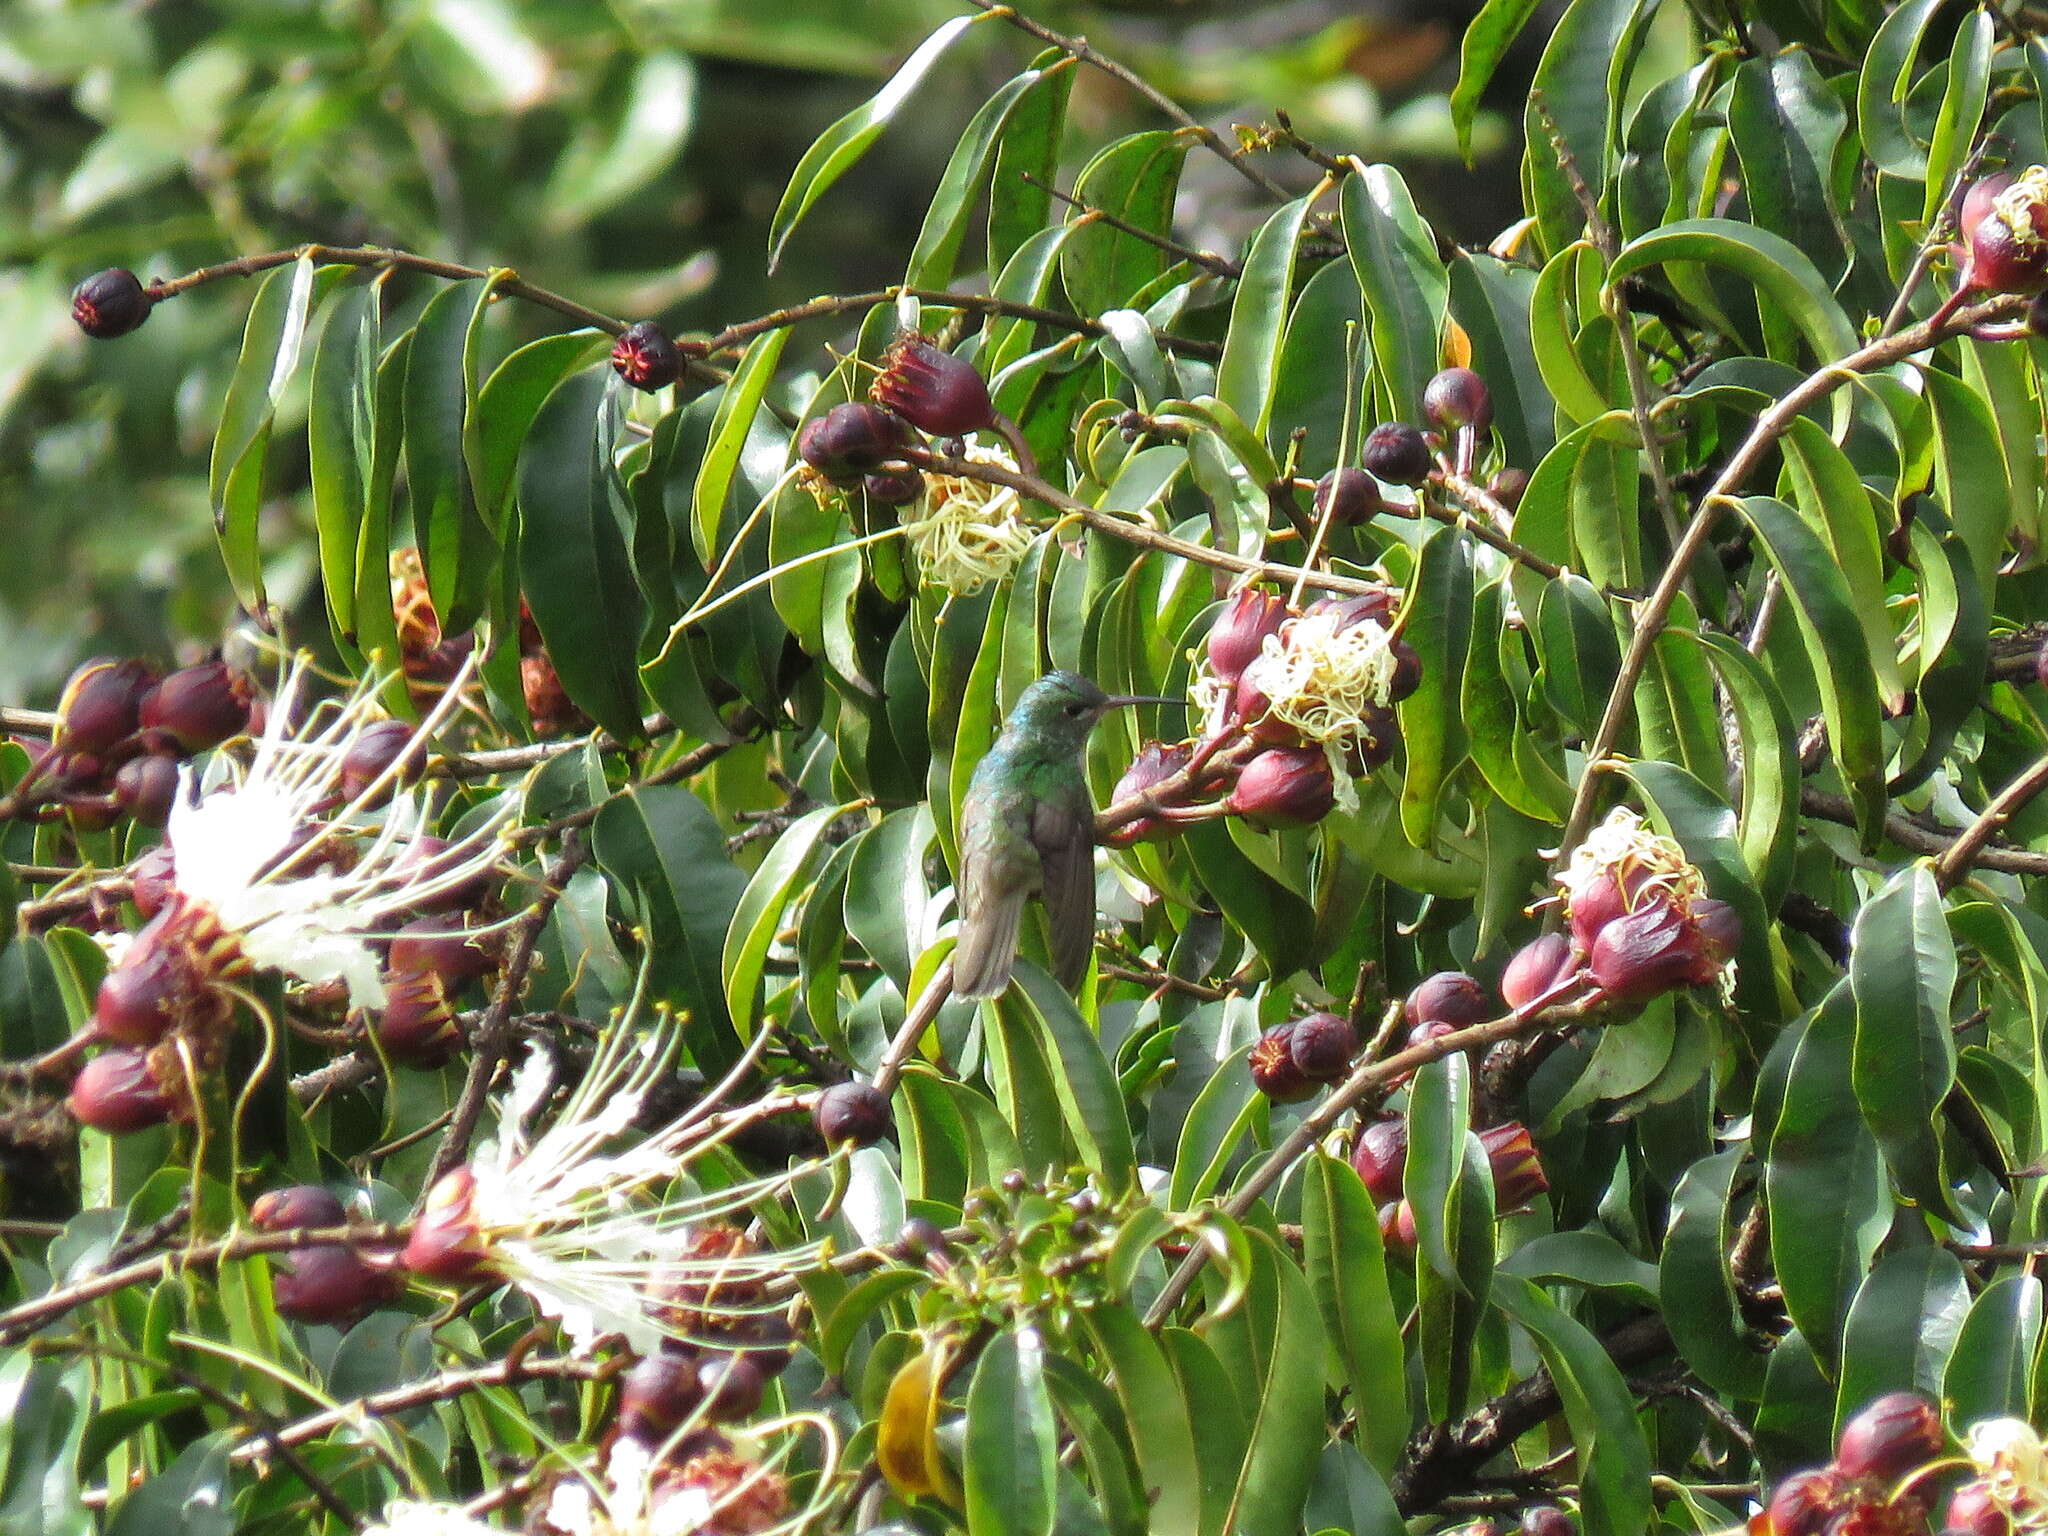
point(988, 946)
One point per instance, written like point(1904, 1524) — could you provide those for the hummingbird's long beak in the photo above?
point(1122, 700)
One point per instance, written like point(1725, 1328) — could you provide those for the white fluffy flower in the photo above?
point(2013, 1464)
point(1623, 849)
point(408, 1517)
point(243, 853)
point(1327, 674)
point(968, 532)
point(596, 1229)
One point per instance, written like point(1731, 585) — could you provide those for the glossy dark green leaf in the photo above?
point(1158, 1417)
point(1824, 488)
point(1030, 146)
point(572, 553)
point(759, 915)
point(1793, 296)
point(1990, 1370)
point(1406, 289)
point(1287, 1415)
point(1487, 39)
point(1012, 1447)
point(1962, 107)
point(945, 222)
point(1768, 821)
point(1575, 641)
point(1492, 718)
point(341, 426)
point(1902, 1327)
point(1437, 622)
point(1881, 86)
point(718, 472)
point(1089, 1411)
point(456, 546)
point(1954, 645)
point(508, 402)
point(1835, 647)
point(1902, 968)
point(1347, 1270)
point(1258, 315)
point(1787, 125)
point(1089, 1097)
point(1136, 179)
point(1969, 465)
point(1582, 76)
point(1698, 1292)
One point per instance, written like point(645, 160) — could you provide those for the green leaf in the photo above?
point(1136, 180)
point(1437, 621)
point(572, 554)
point(1768, 824)
point(1158, 1417)
point(1575, 640)
point(506, 407)
point(1553, 336)
point(1700, 1304)
point(1030, 145)
point(1787, 126)
point(1836, 649)
point(1790, 289)
point(1613, 1459)
point(1407, 293)
point(1287, 1415)
point(1824, 488)
point(1258, 313)
point(457, 548)
point(1341, 1251)
point(1881, 86)
point(1988, 1375)
point(738, 407)
point(1902, 1327)
point(271, 343)
point(1583, 76)
point(1089, 1097)
point(1488, 36)
point(960, 187)
point(838, 148)
point(1902, 969)
point(1012, 1447)
point(604, 165)
point(340, 441)
point(1962, 107)
point(758, 917)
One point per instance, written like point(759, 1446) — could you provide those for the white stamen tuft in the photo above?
point(968, 532)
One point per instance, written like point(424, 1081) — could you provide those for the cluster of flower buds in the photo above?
point(1537, 1520)
point(122, 730)
point(548, 704)
point(1870, 1488)
point(1381, 1161)
point(1291, 1060)
point(1638, 924)
point(331, 1283)
point(429, 659)
point(1295, 706)
point(111, 303)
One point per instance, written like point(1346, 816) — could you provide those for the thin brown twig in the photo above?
point(1908, 833)
point(1955, 861)
point(1209, 261)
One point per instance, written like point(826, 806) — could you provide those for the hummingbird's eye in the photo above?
point(1077, 709)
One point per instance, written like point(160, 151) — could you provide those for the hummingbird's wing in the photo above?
point(999, 871)
point(1063, 832)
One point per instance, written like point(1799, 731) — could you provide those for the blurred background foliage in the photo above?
point(628, 154)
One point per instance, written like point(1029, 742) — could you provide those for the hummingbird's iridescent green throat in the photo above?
point(1027, 828)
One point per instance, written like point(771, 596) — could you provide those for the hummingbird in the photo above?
point(1027, 828)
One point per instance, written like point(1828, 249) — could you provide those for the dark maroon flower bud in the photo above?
point(1897, 1433)
point(1155, 763)
point(1348, 497)
point(152, 878)
point(897, 490)
point(1805, 1502)
point(548, 703)
point(446, 1243)
point(1381, 729)
point(1285, 787)
point(1548, 1520)
point(1407, 671)
point(1644, 953)
point(852, 1112)
point(1448, 997)
point(1972, 1511)
point(1720, 933)
point(1250, 709)
point(770, 1345)
point(110, 303)
point(1398, 454)
point(2005, 235)
point(1322, 1046)
point(1870, 1516)
point(116, 1092)
point(645, 357)
point(296, 1206)
point(147, 787)
point(851, 441)
point(1436, 1029)
point(444, 946)
point(417, 1025)
point(657, 1395)
point(163, 980)
point(1375, 607)
point(1397, 1227)
point(90, 811)
point(1508, 486)
point(1518, 1174)
point(1537, 969)
point(2037, 315)
point(1458, 397)
point(934, 391)
point(199, 706)
point(382, 750)
point(1272, 1065)
point(733, 1386)
point(102, 705)
point(1381, 1158)
point(426, 858)
point(1240, 631)
point(1596, 904)
point(920, 1238)
point(327, 1283)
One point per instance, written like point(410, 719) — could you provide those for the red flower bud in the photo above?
point(897, 490)
point(1250, 709)
point(934, 391)
point(1448, 997)
point(383, 749)
point(1507, 487)
point(1398, 454)
point(1352, 608)
point(1397, 1227)
point(1999, 258)
point(852, 1112)
point(548, 703)
point(1548, 1520)
point(733, 1386)
point(164, 980)
point(1897, 1433)
point(110, 303)
point(1407, 671)
point(1804, 1503)
point(417, 1026)
point(1720, 932)
point(1876, 1517)
point(1972, 1511)
point(1647, 952)
point(1597, 903)
point(1375, 744)
point(1322, 1046)
point(199, 706)
point(1458, 397)
point(102, 705)
point(1285, 787)
point(425, 858)
point(444, 946)
point(327, 1283)
point(1155, 763)
point(147, 787)
point(446, 1243)
point(1518, 1176)
point(1381, 1158)
point(658, 1394)
point(851, 440)
point(1348, 497)
point(296, 1206)
point(116, 1092)
point(1272, 1065)
point(151, 877)
point(645, 357)
point(1239, 633)
point(1537, 969)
